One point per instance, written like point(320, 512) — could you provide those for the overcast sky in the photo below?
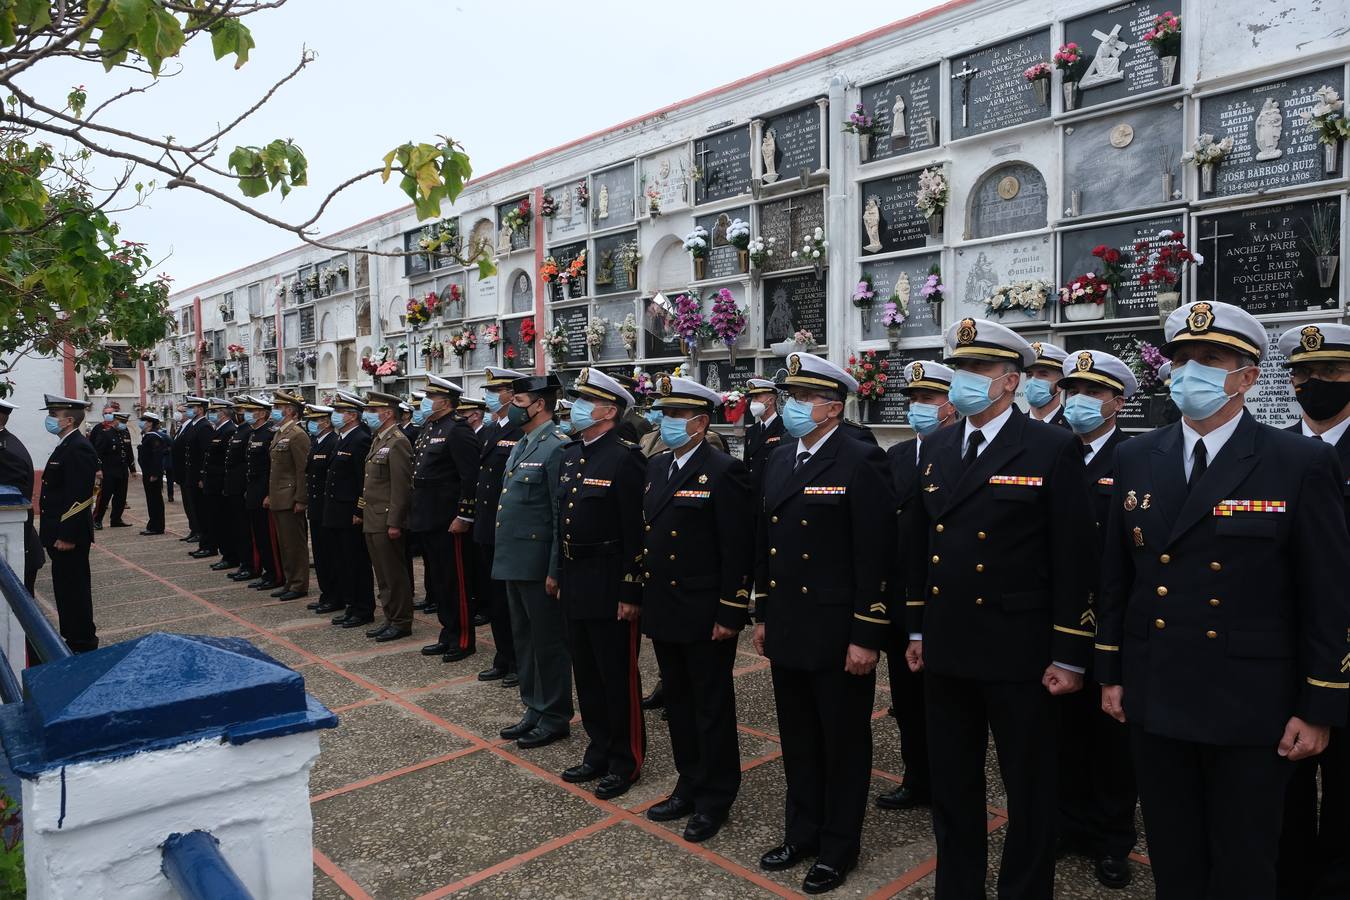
point(507, 78)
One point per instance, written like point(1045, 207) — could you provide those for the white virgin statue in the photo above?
point(1269, 127)
point(604, 201)
point(898, 129)
point(768, 149)
point(872, 224)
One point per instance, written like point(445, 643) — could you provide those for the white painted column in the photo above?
point(13, 515)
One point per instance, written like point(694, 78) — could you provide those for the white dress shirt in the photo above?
point(990, 431)
point(1332, 435)
point(1096, 446)
point(811, 451)
point(1214, 442)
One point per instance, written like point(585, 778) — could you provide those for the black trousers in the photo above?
point(222, 530)
point(498, 610)
point(74, 600)
point(154, 503)
point(321, 541)
point(356, 580)
point(825, 724)
point(1097, 792)
point(112, 490)
point(265, 540)
point(961, 714)
point(701, 711)
point(1315, 845)
point(242, 529)
point(411, 548)
point(168, 483)
point(205, 519)
point(908, 708)
point(190, 507)
point(449, 572)
point(1212, 814)
point(604, 666)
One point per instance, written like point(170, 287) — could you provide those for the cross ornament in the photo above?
point(1110, 41)
point(1213, 256)
point(702, 154)
point(965, 76)
point(788, 210)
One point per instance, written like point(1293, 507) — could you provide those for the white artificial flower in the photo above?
point(819, 233)
point(794, 254)
point(815, 254)
point(1199, 260)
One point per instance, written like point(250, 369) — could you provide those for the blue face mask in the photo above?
point(797, 417)
point(1039, 392)
point(276, 415)
point(424, 407)
point(567, 426)
point(53, 425)
point(494, 402)
point(924, 418)
point(312, 428)
point(1198, 390)
point(107, 417)
point(1084, 414)
point(674, 432)
point(371, 419)
point(121, 426)
point(213, 418)
point(420, 415)
point(190, 414)
point(583, 415)
point(653, 417)
point(970, 392)
point(338, 420)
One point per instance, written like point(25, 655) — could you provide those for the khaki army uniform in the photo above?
point(386, 499)
point(289, 453)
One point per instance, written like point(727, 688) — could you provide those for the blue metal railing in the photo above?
point(196, 868)
point(40, 633)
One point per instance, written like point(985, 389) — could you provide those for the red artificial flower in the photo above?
point(1112, 256)
point(853, 360)
point(867, 367)
point(1099, 250)
point(510, 352)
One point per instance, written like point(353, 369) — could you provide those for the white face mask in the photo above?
point(757, 409)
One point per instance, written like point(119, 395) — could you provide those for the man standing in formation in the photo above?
point(113, 446)
point(236, 488)
point(1044, 399)
point(341, 513)
point(67, 526)
point(499, 437)
point(319, 427)
point(220, 418)
point(285, 498)
point(767, 431)
point(16, 471)
point(151, 456)
point(200, 439)
point(383, 514)
point(182, 474)
point(261, 526)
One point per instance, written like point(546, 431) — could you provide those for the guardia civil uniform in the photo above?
point(999, 586)
point(150, 454)
point(321, 542)
point(385, 502)
point(341, 516)
point(498, 438)
point(66, 498)
point(698, 541)
point(286, 490)
point(1050, 358)
point(1223, 613)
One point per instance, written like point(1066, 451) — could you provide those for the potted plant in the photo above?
point(864, 294)
point(1165, 264)
point(1072, 65)
point(1084, 298)
point(548, 207)
point(1027, 296)
point(548, 273)
point(555, 342)
point(802, 341)
point(734, 405)
point(517, 218)
point(576, 275)
point(727, 321)
point(1146, 362)
point(1038, 76)
point(932, 197)
point(865, 127)
point(452, 294)
point(418, 312)
point(596, 328)
point(1165, 39)
point(696, 243)
point(689, 322)
point(893, 316)
point(628, 257)
point(870, 371)
point(628, 330)
point(492, 334)
point(312, 283)
point(1324, 239)
point(1205, 155)
point(814, 251)
point(934, 291)
point(527, 336)
point(236, 351)
point(583, 194)
point(760, 251)
point(1327, 118)
point(738, 235)
point(463, 343)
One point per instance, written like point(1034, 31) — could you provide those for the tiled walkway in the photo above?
point(415, 795)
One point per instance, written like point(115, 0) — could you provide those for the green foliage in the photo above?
point(432, 173)
point(12, 883)
point(261, 169)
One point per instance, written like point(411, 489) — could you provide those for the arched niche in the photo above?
point(520, 290)
point(1009, 198)
point(394, 314)
point(326, 327)
point(668, 265)
point(327, 368)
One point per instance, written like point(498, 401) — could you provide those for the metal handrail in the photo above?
point(40, 633)
point(10, 689)
point(198, 870)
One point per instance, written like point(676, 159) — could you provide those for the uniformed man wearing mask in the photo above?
point(1221, 623)
point(199, 439)
point(697, 565)
point(259, 454)
point(1096, 785)
point(193, 418)
point(16, 470)
point(151, 455)
point(236, 489)
point(927, 384)
point(766, 432)
point(285, 492)
point(825, 534)
point(1000, 575)
point(342, 493)
point(319, 425)
point(114, 451)
point(386, 497)
point(634, 424)
point(1044, 399)
point(66, 526)
point(600, 583)
point(220, 417)
point(562, 414)
point(527, 556)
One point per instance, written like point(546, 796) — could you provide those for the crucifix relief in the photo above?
point(1105, 66)
point(788, 209)
point(702, 153)
point(965, 76)
point(1212, 258)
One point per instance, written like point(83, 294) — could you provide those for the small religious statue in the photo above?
point(603, 208)
point(902, 295)
point(504, 239)
point(565, 212)
point(779, 326)
point(714, 379)
point(1269, 127)
point(872, 224)
point(768, 148)
point(1105, 65)
point(981, 281)
point(898, 118)
point(719, 232)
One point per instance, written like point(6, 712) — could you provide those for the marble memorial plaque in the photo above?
point(1263, 259)
point(722, 375)
point(482, 298)
point(522, 294)
point(1008, 198)
point(658, 326)
point(482, 355)
point(563, 256)
point(418, 264)
point(613, 312)
point(613, 197)
point(993, 94)
point(1147, 409)
point(609, 273)
point(1113, 173)
point(1271, 399)
point(790, 142)
point(791, 303)
point(904, 104)
point(980, 269)
point(908, 274)
point(722, 165)
point(519, 240)
point(1272, 146)
point(893, 407)
point(1075, 255)
point(573, 319)
point(890, 220)
point(790, 221)
point(516, 354)
point(665, 180)
point(723, 260)
point(570, 219)
point(1128, 67)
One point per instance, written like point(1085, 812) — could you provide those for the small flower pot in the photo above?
point(743, 258)
point(893, 336)
point(1326, 270)
point(1042, 88)
point(1070, 90)
point(632, 277)
point(1207, 177)
point(864, 148)
point(1168, 301)
point(1169, 69)
point(865, 315)
point(700, 268)
point(1331, 157)
point(1168, 185)
point(1084, 312)
point(930, 129)
point(935, 225)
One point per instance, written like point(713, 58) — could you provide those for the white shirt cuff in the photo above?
point(1068, 668)
point(916, 637)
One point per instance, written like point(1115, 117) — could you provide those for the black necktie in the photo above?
point(972, 448)
point(1317, 437)
point(801, 460)
point(1087, 451)
point(674, 467)
point(1199, 466)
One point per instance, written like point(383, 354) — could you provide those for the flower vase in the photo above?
point(1207, 177)
point(930, 129)
point(743, 258)
point(731, 350)
point(865, 410)
point(1331, 157)
point(1084, 312)
point(1169, 69)
point(1070, 89)
point(865, 316)
point(820, 270)
point(632, 276)
point(693, 358)
point(631, 351)
point(1168, 186)
point(1326, 270)
point(1168, 301)
point(935, 225)
point(864, 148)
point(700, 268)
point(893, 336)
point(575, 287)
point(1042, 88)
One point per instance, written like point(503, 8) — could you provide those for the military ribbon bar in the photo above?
point(698, 495)
point(817, 490)
point(1106, 482)
point(1026, 480)
point(1228, 507)
point(596, 482)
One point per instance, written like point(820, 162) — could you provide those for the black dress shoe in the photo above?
point(120, 524)
point(148, 533)
point(435, 649)
point(821, 878)
point(1114, 871)
point(327, 606)
point(377, 630)
point(221, 565)
point(392, 634)
point(455, 654)
point(422, 607)
point(243, 575)
point(520, 729)
point(670, 809)
point(281, 590)
point(429, 608)
point(313, 606)
point(701, 827)
point(202, 554)
point(903, 797)
point(656, 699)
point(512, 679)
point(293, 595)
point(98, 526)
point(580, 774)
point(612, 786)
point(495, 673)
point(188, 537)
point(540, 737)
point(350, 621)
point(479, 620)
point(784, 856)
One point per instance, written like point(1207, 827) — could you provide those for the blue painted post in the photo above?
point(194, 866)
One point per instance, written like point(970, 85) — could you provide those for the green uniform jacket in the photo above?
point(527, 515)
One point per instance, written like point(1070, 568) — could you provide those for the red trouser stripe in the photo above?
point(464, 625)
point(635, 724)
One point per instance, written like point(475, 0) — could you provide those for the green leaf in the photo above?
point(486, 267)
point(231, 36)
point(34, 14)
point(159, 38)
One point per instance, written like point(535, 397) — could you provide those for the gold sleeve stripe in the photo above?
point(916, 602)
point(77, 508)
point(742, 593)
point(1338, 685)
point(1110, 648)
point(735, 605)
point(1074, 631)
point(870, 619)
